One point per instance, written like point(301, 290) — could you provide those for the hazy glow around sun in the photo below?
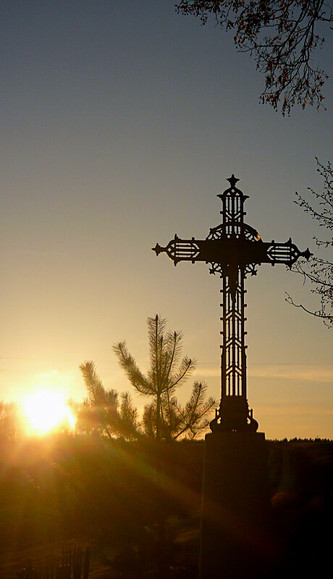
point(45, 410)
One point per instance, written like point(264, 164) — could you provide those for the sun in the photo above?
point(46, 410)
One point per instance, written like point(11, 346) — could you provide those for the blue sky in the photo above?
point(120, 123)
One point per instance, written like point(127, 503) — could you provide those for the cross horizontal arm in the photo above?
point(286, 253)
point(235, 251)
point(182, 249)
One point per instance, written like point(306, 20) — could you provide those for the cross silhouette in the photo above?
point(234, 250)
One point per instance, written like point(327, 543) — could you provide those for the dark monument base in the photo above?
point(235, 539)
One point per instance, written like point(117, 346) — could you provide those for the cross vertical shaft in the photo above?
point(233, 411)
point(233, 355)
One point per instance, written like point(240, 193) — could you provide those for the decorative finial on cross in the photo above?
point(234, 250)
point(233, 180)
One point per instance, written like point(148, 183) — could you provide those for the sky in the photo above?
point(120, 123)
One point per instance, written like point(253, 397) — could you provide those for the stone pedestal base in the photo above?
point(235, 507)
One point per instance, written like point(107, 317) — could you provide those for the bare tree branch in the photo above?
point(318, 270)
point(281, 36)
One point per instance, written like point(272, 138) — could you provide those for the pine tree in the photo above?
point(164, 418)
point(102, 412)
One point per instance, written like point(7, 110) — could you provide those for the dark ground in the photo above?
point(138, 504)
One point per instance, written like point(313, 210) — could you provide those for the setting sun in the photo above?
point(46, 410)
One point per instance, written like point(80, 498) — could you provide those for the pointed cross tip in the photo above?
point(307, 254)
point(232, 180)
point(157, 249)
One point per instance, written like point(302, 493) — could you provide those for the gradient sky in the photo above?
point(120, 123)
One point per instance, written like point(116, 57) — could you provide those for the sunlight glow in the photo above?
point(46, 410)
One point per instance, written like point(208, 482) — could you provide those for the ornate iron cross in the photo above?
point(233, 250)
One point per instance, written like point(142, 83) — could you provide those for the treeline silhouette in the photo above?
point(138, 503)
